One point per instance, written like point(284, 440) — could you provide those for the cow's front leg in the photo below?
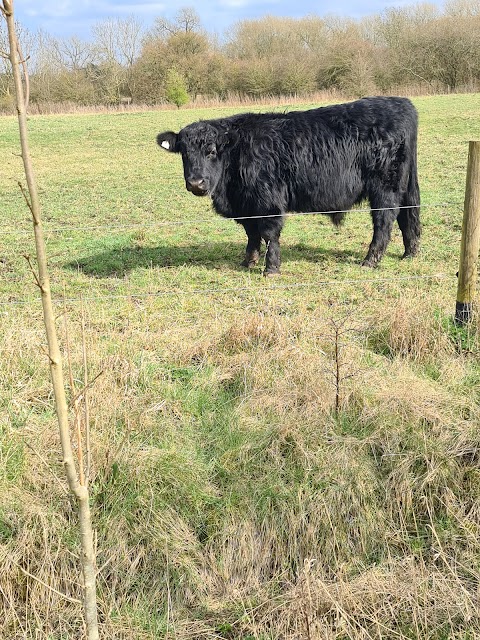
point(252, 253)
point(270, 230)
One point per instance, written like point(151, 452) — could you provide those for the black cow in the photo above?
point(257, 167)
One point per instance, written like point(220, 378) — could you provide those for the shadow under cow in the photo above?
point(118, 262)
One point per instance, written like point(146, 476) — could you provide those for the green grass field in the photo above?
point(230, 499)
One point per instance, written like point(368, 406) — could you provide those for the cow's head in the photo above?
point(202, 145)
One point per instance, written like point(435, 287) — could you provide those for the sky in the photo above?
point(65, 18)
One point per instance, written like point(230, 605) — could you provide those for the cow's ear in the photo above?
point(224, 134)
point(225, 137)
point(168, 141)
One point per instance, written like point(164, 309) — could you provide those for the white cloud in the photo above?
point(133, 7)
point(68, 8)
point(58, 9)
point(238, 4)
point(235, 3)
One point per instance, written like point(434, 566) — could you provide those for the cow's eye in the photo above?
point(211, 152)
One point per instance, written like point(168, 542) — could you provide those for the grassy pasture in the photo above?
point(229, 499)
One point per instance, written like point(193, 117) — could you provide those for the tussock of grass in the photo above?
point(412, 330)
point(424, 602)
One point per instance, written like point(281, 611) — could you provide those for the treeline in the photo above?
point(177, 61)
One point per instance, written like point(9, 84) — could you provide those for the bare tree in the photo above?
point(118, 40)
point(462, 8)
point(311, 32)
point(77, 482)
point(130, 32)
point(117, 45)
point(26, 45)
point(6, 77)
point(186, 20)
point(72, 54)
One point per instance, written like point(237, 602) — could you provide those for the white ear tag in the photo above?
point(165, 144)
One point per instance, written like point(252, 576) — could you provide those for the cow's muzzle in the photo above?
point(197, 187)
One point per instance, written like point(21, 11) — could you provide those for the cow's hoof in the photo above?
point(409, 254)
point(371, 264)
point(269, 274)
point(251, 259)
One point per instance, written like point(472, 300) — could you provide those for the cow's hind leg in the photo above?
point(409, 214)
point(384, 213)
point(252, 253)
point(270, 230)
point(409, 223)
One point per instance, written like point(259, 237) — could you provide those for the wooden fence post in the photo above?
point(467, 273)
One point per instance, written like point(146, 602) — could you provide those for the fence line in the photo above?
point(177, 223)
point(221, 290)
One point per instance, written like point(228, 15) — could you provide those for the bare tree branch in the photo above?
point(34, 273)
point(87, 386)
point(27, 200)
point(74, 402)
point(59, 593)
point(7, 8)
point(43, 461)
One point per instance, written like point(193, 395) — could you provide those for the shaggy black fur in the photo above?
point(325, 159)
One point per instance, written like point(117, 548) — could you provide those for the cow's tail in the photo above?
point(409, 215)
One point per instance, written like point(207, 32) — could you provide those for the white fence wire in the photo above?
point(216, 218)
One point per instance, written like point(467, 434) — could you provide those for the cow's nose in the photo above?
point(196, 183)
point(197, 186)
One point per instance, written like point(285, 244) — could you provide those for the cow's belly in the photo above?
point(336, 194)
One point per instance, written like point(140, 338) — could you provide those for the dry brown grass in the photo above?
point(419, 596)
point(411, 331)
point(230, 497)
point(231, 100)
